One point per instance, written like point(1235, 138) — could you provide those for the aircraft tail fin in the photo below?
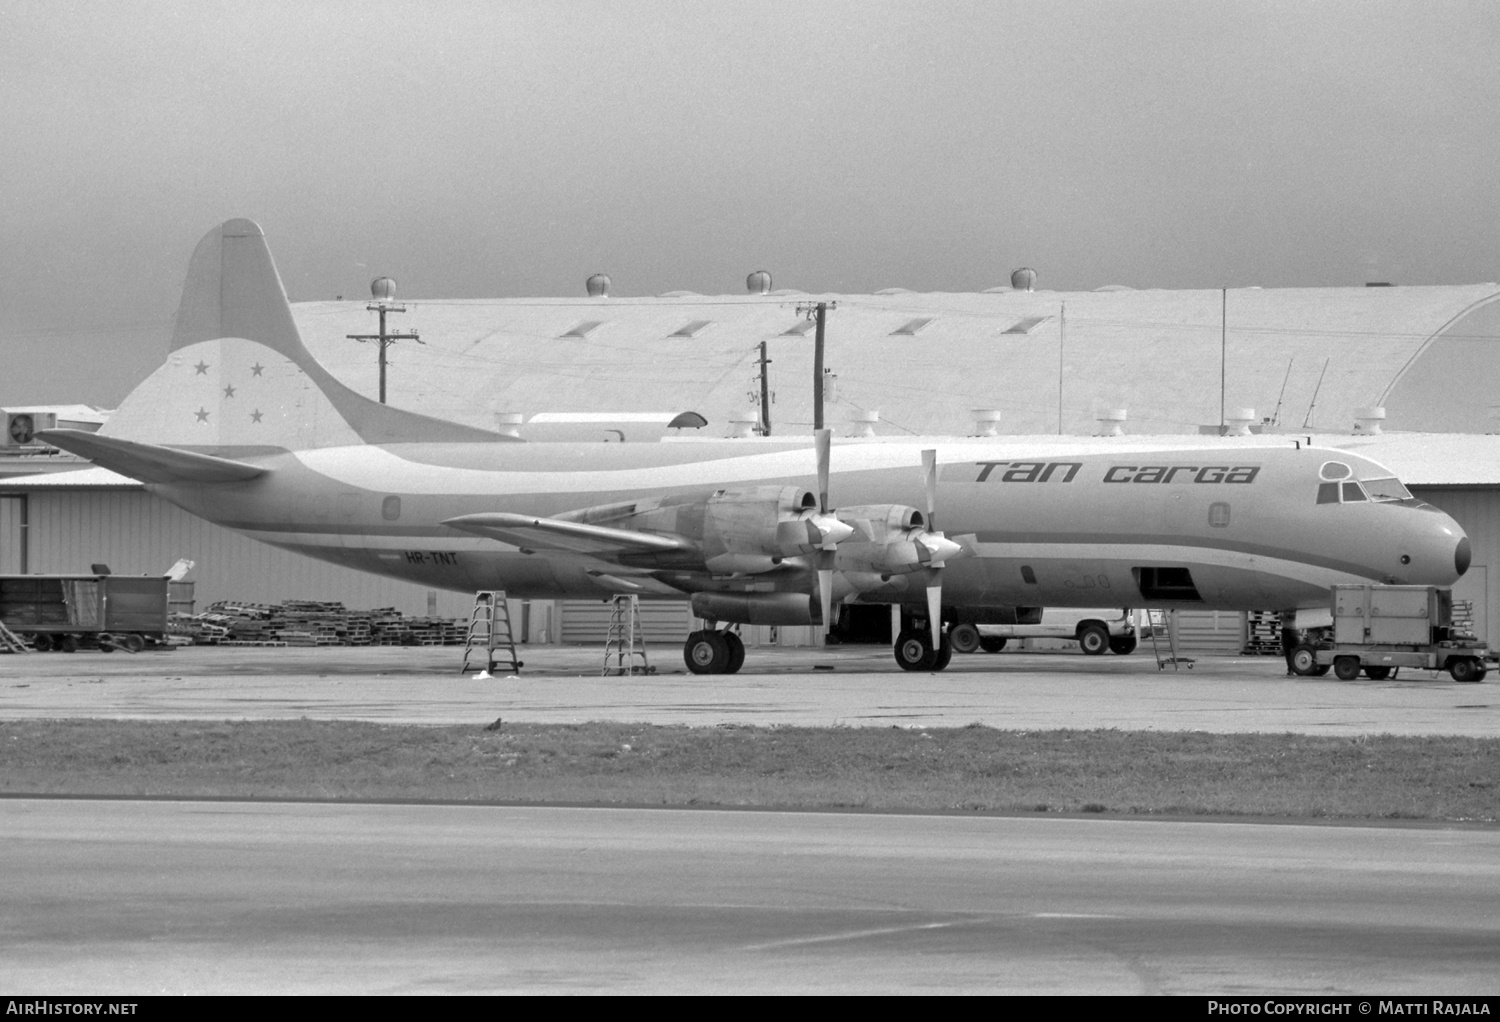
point(238, 376)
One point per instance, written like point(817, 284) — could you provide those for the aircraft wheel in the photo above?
point(944, 655)
point(1124, 645)
point(133, 643)
point(914, 650)
point(736, 652)
point(1093, 639)
point(1377, 673)
point(706, 652)
point(1346, 668)
point(105, 642)
point(963, 638)
point(1466, 669)
point(41, 642)
point(992, 643)
point(1305, 660)
point(67, 643)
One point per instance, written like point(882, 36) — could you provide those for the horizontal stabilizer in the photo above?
point(148, 462)
point(575, 537)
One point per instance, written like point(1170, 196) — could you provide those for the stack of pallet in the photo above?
point(312, 623)
point(1263, 633)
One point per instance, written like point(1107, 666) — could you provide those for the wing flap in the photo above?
point(148, 462)
point(574, 537)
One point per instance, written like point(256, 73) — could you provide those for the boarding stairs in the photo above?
point(1172, 657)
point(626, 644)
point(489, 630)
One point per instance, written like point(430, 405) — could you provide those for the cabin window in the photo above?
point(390, 508)
point(1218, 514)
point(1027, 575)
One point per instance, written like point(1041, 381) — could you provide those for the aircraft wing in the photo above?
point(148, 462)
point(572, 537)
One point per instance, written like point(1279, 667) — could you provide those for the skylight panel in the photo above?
point(584, 329)
point(691, 329)
point(910, 327)
point(1026, 325)
point(801, 329)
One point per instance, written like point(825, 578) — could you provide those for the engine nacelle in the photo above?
point(745, 531)
point(889, 539)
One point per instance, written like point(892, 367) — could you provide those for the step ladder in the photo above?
point(10, 642)
point(1171, 657)
point(626, 641)
point(489, 630)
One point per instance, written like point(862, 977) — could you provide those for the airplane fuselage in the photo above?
point(1044, 522)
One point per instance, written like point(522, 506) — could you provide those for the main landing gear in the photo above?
point(914, 650)
point(712, 651)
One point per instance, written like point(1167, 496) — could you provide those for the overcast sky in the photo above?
point(503, 149)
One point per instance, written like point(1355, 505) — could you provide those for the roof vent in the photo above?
point(1111, 422)
point(863, 423)
point(986, 421)
point(1237, 421)
point(383, 289)
point(1367, 421)
point(1023, 279)
point(759, 282)
point(598, 285)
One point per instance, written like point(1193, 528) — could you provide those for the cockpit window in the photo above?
point(1352, 492)
point(1387, 489)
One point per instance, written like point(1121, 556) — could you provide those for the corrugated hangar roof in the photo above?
point(1306, 356)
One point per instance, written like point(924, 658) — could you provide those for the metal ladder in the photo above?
point(626, 641)
point(10, 642)
point(489, 630)
point(1172, 658)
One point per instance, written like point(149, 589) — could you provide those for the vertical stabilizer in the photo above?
point(238, 375)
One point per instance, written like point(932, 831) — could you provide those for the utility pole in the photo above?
point(765, 392)
point(383, 289)
point(819, 313)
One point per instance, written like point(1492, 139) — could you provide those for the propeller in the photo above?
point(937, 545)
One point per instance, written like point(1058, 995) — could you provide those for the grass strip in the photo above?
point(975, 767)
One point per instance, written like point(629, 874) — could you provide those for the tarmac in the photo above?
point(849, 686)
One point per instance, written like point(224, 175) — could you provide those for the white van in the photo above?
point(1096, 629)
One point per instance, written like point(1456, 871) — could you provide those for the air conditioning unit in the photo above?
point(21, 428)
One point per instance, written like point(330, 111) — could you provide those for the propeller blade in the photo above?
point(929, 478)
point(825, 595)
point(824, 438)
point(935, 613)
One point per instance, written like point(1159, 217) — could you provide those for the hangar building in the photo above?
point(1307, 361)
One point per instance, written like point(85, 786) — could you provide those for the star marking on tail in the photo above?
point(229, 390)
point(202, 368)
point(255, 415)
point(257, 369)
point(202, 414)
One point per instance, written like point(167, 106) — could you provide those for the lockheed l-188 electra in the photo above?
point(243, 427)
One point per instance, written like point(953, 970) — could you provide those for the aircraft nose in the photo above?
point(1436, 551)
